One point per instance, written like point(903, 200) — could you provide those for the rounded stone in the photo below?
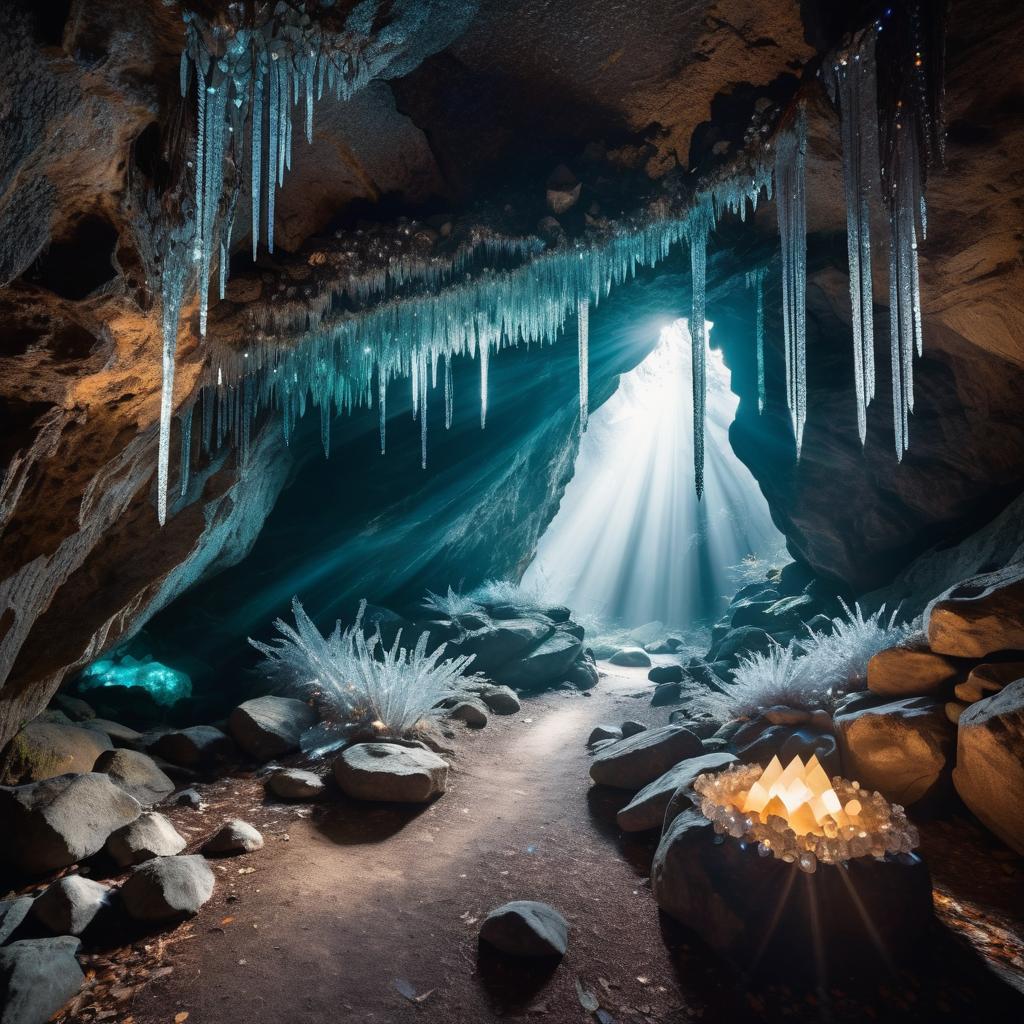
point(150, 835)
point(296, 784)
point(526, 928)
point(389, 772)
point(234, 836)
point(167, 888)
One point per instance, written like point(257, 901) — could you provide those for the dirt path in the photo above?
point(358, 913)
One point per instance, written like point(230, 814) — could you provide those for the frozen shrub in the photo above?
point(360, 680)
point(450, 605)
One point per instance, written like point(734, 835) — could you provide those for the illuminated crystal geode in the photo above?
point(799, 815)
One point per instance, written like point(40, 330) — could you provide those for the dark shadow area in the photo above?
point(511, 984)
point(349, 822)
point(77, 264)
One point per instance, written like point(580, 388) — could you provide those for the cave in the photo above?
point(511, 511)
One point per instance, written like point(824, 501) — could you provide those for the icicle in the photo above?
point(755, 280)
point(423, 413)
point(790, 158)
point(484, 354)
point(448, 392)
point(186, 447)
point(257, 151)
point(583, 333)
point(325, 428)
point(853, 84)
point(382, 401)
point(698, 226)
point(273, 144)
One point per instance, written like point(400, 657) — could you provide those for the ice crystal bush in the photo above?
point(811, 672)
point(450, 605)
point(360, 680)
point(533, 597)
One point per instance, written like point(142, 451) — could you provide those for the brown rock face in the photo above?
point(981, 615)
point(910, 672)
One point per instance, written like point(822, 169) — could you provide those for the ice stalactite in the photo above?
point(382, 408)
point(186, 448)
point(177, 264)
point(485, 358)
point(853, 84)
point(449, 394)
point(423, 412)
point(698, 226)
point(790, 198)
point(755, 280)
point(583, 344)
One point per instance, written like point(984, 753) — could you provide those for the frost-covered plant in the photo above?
point(357, 677)
point(811, 672)
point(840, 658)
point(450, 605)
point(533, 596)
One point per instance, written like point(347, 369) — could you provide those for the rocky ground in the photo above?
point(368, 913)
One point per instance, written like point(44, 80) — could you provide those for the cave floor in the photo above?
point(352, 912)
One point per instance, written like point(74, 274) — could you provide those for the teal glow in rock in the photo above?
point(166, 685)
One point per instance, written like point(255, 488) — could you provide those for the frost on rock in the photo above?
point(790, 160)
point(755, 279)
point(853, 84)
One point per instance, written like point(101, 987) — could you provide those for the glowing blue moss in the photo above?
point(166, 685)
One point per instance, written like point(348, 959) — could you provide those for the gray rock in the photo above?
point(989, 772)
point(118, 734)
point(912, 672)
point(903, 749)
point(666, 693)
point(199, 746)
point(549, 662)
point(631, 657)
point(234, 836)
point(37, 977)
point(44, 750)
point(631, 728)
point(647, 809)
point(502, 700)
point(666, 674)
point(497, 643)
point(526, 928)
point(716, 745)
point(136, 773)
point(268, 727)
point(742, 641)
point(74, 707)
point(633, 763)
point(189, 798)
point(603, 732)
point(69, 905)
point(558, 613)
point(582, 673)
point(150, 835)
point(167, 888)
point(50, 824)
point(295, 784)
point(387, 771)
point(473, 712)
point(12, 913)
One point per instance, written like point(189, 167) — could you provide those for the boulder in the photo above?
point(666, 693)
point(296, 784)
point(583, 672)
point(603, 732)
point(902, 749)
point(742, 641)
point(631, 728)
point(633, 763)
point(75, 708)
point(717, 887)
point(526, 928)
point(666, 674)
point(497, 643)
point(647, 809)
point(788, 741)
point(12, 913)
point(37, 977)
point(472, 711)
point(984, 680)
point(136, 773)
point(911, 672)
point(167, 888)
point(989, 772)
point(50, 824)
point(69, 905)
point(150, 835)
point(558, 613)
point(267, 727)
point(502, 700)
point(549, 662)
point(235, 836)
point(631, 657)
point(43, 750)
point(979, 616)
point(387, 771)
point(118, 734)
point(199, 746)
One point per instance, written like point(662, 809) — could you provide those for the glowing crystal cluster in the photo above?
point(800, 816)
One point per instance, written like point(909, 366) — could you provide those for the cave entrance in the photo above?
point(631, 543)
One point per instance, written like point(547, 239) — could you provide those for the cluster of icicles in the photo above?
point(349, 360)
